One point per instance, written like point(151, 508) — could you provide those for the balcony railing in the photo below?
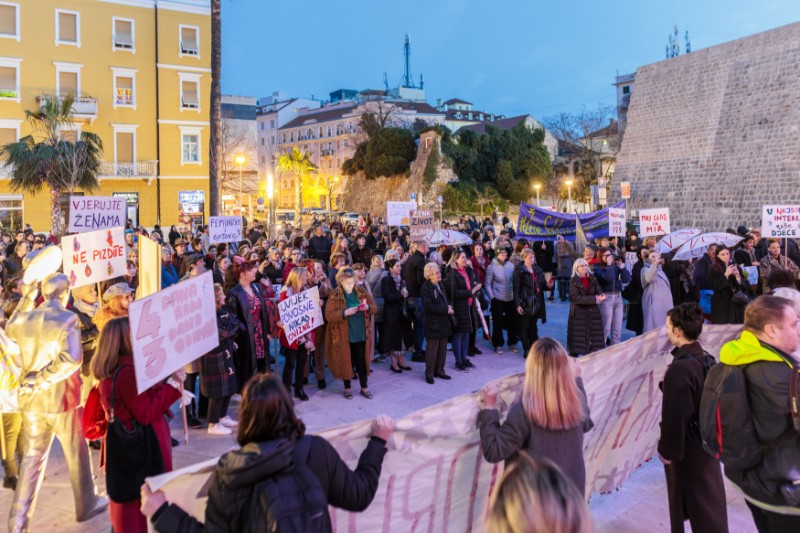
point(326, 152)
point(138, 169)
point(83, 107)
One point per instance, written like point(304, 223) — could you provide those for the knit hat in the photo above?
point(118, 289)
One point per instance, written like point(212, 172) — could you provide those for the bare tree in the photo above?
point(236, 139)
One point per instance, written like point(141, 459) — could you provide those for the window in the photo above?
point(283, 137)
point(124, 87)
point(190, 91)
point(272, 124)
point(9, 79)
point(11, 212)
point(291, 137)
point(189, 41)
point(68, 28)
point(263, 159)
point(272, 140)
point(626, 89)
point(320, 132)
point(7, 135)
point(124, 148)
point(9, 20)
point(261, 126)
point(123, 34)
point(329, 131)
point(68, 79)
point(190, 146)
point(262, 141)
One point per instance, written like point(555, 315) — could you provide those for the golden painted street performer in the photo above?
point(49, 338)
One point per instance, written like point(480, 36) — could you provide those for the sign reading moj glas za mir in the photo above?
point(780, 221)
point(654, 222)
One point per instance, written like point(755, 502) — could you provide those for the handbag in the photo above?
point(453, 319)
point(739, 298)
point(93, 420)
point(131, 456)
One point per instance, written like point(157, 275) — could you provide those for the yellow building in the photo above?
point(140, 70)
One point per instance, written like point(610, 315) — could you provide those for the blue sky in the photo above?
point(507, 57)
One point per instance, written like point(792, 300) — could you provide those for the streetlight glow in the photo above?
point(569, 183)
point(537, 187)
point(240, 159)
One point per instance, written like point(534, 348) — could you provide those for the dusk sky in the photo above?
point(507, 57)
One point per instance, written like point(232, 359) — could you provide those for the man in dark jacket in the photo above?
point(772, 487)
point(319, 246)
point(373, 239)
point(415, 276)
point(361, 252)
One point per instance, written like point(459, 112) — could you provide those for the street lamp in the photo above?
point(270, 196)
point(568, 183)
point(240, 161)
point(538, 187)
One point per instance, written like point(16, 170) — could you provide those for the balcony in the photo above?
point(326, 152)
point(137, 169)
point(83, 108)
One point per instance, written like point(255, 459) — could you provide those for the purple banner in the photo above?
point(538, 224)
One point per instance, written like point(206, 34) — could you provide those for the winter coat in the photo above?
point(503, 442)
point(377, 293)
point(320, 248)
point(274, 273)
point(723, 310)
point(361, 255)
point(768, 380)
point(89, 336)
point(234, 485)
point(499, 284)
point(694, 487)
point(169, 276)
point(435, 303)
point(246, 353)
point(458, 295)
point(479, 265)
point(768, 265)
point(526, 287)
point(544, 258)
point(287, 268)
point(633, 293)
point(701, 271)
point(396, 332)
point(611, 278)
point(218, 367)
point(337, 336)
point(565, 254)
point(656, 297)
point(413, 272)
point(585, 324)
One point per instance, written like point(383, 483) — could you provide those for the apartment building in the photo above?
point(140, 73)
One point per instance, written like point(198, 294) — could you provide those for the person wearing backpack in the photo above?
point(280, 479)
point(762, 454)
point(694, 480)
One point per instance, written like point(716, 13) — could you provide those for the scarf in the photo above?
point(87, 309)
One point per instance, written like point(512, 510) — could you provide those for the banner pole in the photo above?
point(183, 413)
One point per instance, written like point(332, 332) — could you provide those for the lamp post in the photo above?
point(271, 200)
point(538, 187)
point(240, 161)
point(568, 183)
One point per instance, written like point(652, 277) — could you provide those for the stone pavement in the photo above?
point(640, 504)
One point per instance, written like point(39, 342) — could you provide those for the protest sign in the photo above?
point(172, 328)
point(225, 229)
point(300, 313)
point(625, 190)
point(780, 221)
point(89, 213)
point(653, 222)
point(149, 268)
point(537, 223)
point(422, 223)
point(94, 256)
point(435, 477)
point(616, 222)
point(399, 213)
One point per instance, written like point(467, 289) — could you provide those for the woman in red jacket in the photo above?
point(296, 353)
point(114, 351)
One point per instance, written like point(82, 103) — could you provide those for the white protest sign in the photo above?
point(172, 328)
point(94, 256)
point(616, 222)
point(653, 222)
point(89, 213)
point(780, 221)
point(399, 213)
point(422, 224)
point(225, 229)
point(300, 313)
point(436, 479)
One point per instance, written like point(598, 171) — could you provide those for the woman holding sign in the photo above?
point(296, 352)
point(347, 312)
point(247, 302)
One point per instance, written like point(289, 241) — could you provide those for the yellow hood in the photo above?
point(745, 350)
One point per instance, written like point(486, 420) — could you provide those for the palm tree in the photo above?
point(298, 163)
point(46, 159)
point(215, 141)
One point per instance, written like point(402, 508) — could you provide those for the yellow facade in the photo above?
point(142, 74)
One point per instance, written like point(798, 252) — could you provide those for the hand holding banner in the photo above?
point(399, 213)
point(300, 314)
point(225, 229)
point(780, 221)
point(653, 222)
point(89, 213)
point(94, 256)
point(616, 222)
point(422, 224)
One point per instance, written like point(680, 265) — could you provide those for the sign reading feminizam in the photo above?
point(399, 213)
point(780, 221)
point(653, 222)
point(89, 213)
point(225, 229)
point(300, 313)
point(172, 328)
point(616, 222)
point(422, 223)
point(537, 223)
point(94, 256)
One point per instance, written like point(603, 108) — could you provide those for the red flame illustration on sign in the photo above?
point(88, 271)
point(75, 244)
point(109, 269)
point(110, 239)
point(72, 278)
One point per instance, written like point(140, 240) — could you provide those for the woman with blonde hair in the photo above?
point(116, 299)
point(550, 418)
point(297, 351)
point(585, 323)
point(535, 497)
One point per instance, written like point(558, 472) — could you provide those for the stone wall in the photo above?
point(715, 134)
point(363, 195)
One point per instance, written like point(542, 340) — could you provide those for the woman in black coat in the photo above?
point(461, 284)
point(253, 352)
point(437, 322)
point(585, 325)
point(633, 293)
point(396, 335)
point(725, 278)
point(694, 480)
point(529, 284)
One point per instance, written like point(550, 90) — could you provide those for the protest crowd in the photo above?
point(384, 301)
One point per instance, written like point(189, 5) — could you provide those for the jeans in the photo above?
point(419, 326)
point(358, 358)
point(563, 292)
point(460, 344)
point(611, 312)
point(295, 360)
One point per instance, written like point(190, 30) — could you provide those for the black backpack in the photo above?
point(292, 501)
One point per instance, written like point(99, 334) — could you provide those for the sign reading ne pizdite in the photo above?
point(94, 256)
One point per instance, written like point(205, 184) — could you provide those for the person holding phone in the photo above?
point(726, 279)
point(611, 274)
